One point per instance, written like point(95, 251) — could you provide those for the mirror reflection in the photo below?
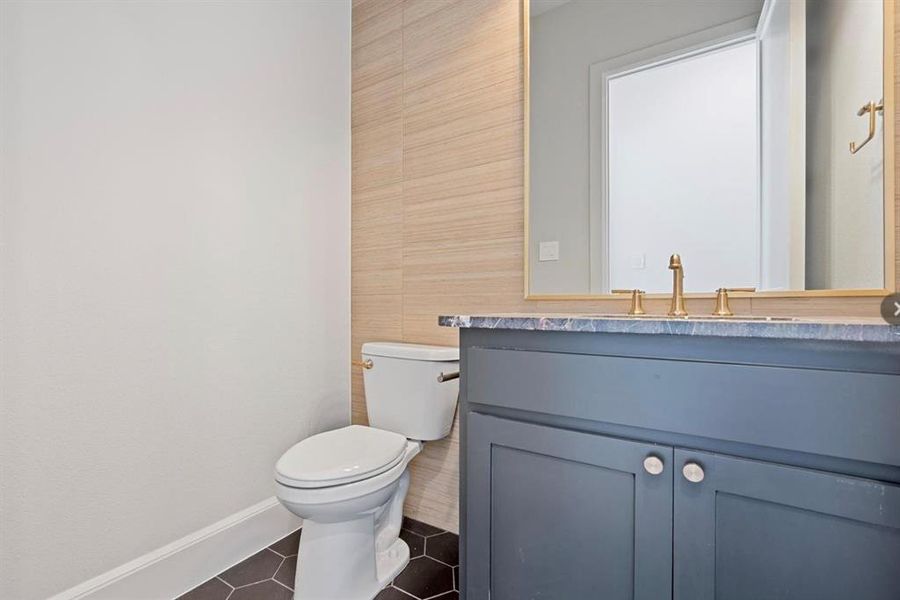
point(746, 136)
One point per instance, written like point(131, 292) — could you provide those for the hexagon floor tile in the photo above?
point(432, 573)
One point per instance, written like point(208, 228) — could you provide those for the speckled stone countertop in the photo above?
point(846, 330)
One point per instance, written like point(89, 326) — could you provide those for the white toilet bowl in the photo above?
point(345, 526)
point(349, 484)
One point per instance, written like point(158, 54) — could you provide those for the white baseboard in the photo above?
point(184, 564)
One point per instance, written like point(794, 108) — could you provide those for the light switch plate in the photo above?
point(548, 251)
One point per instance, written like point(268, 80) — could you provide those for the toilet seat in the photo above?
point(349, 492)
point(340, 457)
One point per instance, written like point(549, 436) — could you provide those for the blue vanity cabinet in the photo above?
point(792, 485)
point(752, 530)
point(560, 514)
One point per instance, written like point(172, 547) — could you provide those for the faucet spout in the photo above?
point(677, 308)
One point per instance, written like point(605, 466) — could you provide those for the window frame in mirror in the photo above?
point(891, 203)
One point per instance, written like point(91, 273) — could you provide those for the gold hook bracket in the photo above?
point(871, 108)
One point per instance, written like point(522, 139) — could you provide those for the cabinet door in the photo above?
point(562, 515)
point(755, 531)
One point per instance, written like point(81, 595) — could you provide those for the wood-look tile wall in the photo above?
point(437, 219)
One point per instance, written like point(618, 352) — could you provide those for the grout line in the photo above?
point(269, 548)
point(437, 595)
point(283, 558)
point(282, 585)
point(246, 585)
point(230, 591)
point(404, 592)
point(223, 581)
point(281, 564)
point(442, 562)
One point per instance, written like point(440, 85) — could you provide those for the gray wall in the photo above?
point(175, 224)
point(844, 192)
point(565, 41)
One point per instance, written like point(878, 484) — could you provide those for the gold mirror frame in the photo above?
point(891, 201)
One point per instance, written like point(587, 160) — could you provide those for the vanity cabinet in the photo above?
point(566, 514)
point(563, 514)
point(752, 530)
point(652, 467)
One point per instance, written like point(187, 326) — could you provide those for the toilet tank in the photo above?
point(403, 393)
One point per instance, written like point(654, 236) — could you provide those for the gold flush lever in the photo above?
point(723, 309)
point(365, 364)
point(870, 108)
point(637, 301)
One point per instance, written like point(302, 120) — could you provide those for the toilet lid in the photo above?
point(340, 456)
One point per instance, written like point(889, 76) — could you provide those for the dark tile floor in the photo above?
point(432, 573)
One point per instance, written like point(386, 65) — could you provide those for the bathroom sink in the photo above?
point(692, 317)
point(736, 318)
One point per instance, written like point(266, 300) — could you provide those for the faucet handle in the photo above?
point(723, 309)
point(675, 261)
point(637, 301)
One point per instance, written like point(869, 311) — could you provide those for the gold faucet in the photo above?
point(637, 301)
point(677, 308)
point(723, 309)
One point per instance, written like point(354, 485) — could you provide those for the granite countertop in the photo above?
point(824, 329)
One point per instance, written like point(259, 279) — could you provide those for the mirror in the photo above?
point(746, 136)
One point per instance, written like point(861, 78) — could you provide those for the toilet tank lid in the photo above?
point(411, 351)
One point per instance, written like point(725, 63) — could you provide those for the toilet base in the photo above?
point(335, 557)
point(389, 563)
point(357, 578)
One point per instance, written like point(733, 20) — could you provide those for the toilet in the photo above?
point(349, 484)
